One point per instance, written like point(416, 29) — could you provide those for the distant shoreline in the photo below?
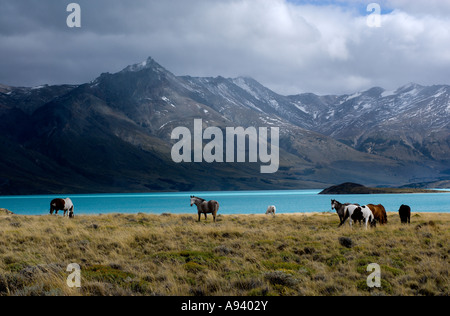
point(194, 215)
point(353, 188)
point(392, 190)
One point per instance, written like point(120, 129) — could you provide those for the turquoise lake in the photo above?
point(242, 202)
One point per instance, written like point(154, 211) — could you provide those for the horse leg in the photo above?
point(344, 219)
point(206, 217)
point(199, 214)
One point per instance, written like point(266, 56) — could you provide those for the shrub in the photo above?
point(280, 278)
point(106, 274)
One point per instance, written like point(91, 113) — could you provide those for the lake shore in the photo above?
point(358, 189)
point(240, 255)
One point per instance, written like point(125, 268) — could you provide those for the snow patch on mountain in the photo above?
point(386, 94)
point(167, 100)
point(242, 83)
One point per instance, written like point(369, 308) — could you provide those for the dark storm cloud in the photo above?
point(288, 46)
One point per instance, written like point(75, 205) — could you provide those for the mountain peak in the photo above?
point(5, 89)
point(150, 63)
point(409, 87)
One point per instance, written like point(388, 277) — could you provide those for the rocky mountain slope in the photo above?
point(113, 134)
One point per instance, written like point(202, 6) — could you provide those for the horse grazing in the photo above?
point(204, 207)
point(379, 212)
point(65, 205)
point(348, 214)
point(340, 209)
point(271, 210)
point(364, 213)
point(356, 213)
point(405, 214)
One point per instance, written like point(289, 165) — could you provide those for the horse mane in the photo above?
point(202, 200)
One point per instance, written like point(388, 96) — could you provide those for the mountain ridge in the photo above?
point(113, 134)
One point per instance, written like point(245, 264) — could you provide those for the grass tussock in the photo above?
point(239, 255)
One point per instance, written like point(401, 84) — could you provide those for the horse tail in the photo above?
point(345, 211)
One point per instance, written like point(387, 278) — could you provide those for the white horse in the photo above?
point(271, 210)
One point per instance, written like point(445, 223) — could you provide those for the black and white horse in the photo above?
point(365, 214)
point(340, 210)
point(359, 214)
point(205, 207)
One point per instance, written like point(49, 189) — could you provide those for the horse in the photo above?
point(363, 213)
point(348, 214)
point(340, 210)
point(379, 212)
point(204, 207)
point(271, 210)
point(65, 205)
point(405, 214)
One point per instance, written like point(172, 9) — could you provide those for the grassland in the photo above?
point(239, 255)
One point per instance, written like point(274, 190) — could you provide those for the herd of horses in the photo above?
point(368, 214)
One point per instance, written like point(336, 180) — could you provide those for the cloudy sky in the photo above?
point(291, 46)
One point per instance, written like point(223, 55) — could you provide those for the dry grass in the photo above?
point(238, 255)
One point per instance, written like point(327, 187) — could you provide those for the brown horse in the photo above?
point(379, 212)
point(204, 207)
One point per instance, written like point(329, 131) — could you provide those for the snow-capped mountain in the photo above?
point(113, 134)
point(411, 123)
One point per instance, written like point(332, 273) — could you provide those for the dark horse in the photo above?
point(204, 207)
point(65, 205)
point(340, 209)
point(405, 214)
